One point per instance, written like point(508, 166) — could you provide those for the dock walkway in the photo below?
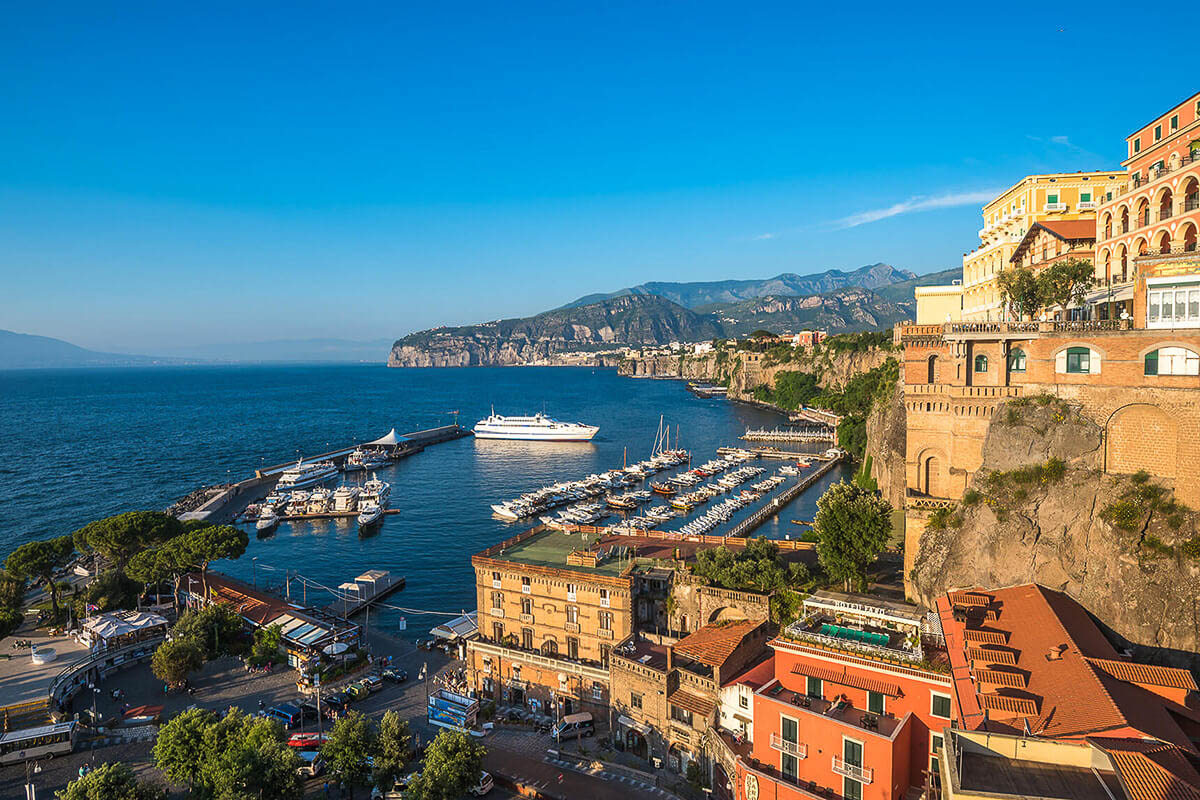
point(372, 586)
point(776, 505)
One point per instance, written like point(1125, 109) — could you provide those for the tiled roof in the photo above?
point(1068, 229)
point(1151, 770)
point(843, 677)
point(691, 702)
point(1132, 672)
point(1054, 642)
point(714, 644)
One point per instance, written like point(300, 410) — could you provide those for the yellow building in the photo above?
point(939, 304)
point(1063, 195)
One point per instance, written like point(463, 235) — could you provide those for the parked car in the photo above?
point(311, 763)
point(484, 786)
point(286, 713)
point(574, 726)
point(394, 675)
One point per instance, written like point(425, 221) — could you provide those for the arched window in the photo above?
point(1079, 360)
point(1016, 360)
point(981, 363)
point(1172, 361)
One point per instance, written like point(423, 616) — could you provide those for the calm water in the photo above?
point(76, 445)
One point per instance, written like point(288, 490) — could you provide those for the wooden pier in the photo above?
point(370, 587)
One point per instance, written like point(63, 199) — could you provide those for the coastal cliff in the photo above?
point(556, 337)
point(1040, 510)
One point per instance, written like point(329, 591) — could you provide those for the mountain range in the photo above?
point(683, 312)
point(789, 284)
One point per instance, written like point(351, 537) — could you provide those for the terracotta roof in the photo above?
point(1151, 770)
point(691, 702)
point(843, 677)
point(1069, 229)
point(1057, 645)
point(1132, 672)
point(714, 644)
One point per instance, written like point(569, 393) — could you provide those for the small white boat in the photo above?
point(267, 521)
point(369, 514)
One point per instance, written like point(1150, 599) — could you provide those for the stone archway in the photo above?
point(1141, 436)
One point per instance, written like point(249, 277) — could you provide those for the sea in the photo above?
point(77, 445)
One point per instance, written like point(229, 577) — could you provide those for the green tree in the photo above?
point(206, 545)
point(179, 748)
point(231, 757)
point(173, 661)
point(266, 645)
point(40, 560)
point(1065, 282)
point(1021, 290)
point(395, 749)
point(214, 628)
point(111, 781)
point(453, 764)
point(852, 527)
point(352, 742)
point(118, 538)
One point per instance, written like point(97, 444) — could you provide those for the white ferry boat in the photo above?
point(302, 475)
point(538, 428)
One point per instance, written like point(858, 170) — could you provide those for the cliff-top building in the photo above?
point(1057, 197)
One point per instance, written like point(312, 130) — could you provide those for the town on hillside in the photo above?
point(1000, 605)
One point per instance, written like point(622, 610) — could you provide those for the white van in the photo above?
point(574, 726)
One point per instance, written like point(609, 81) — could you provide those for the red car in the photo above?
point(307, 740)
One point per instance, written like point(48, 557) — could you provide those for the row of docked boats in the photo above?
point(367, 501)
point(593, 486)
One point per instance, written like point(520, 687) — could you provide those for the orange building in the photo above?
point(1030, 660)
point(855, 707)
point(1147, 231)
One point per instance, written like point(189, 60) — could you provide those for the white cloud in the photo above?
point(915, 204)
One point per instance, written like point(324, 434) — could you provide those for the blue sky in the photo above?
point(219, 172)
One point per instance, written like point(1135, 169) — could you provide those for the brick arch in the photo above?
point(933, 472)
point(1141, 436)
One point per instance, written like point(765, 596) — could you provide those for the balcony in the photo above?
point(797, 749)
point(858, 773)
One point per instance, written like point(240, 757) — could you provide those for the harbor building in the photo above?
point(851, 703)
point(1147, 229)
point(1007, 219)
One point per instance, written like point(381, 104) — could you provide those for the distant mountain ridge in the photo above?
point(639, 318)
point(28, 351)
point(704, 293)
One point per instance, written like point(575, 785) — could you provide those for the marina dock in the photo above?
point(817, 434)
point(772, 508)
point(370, 587)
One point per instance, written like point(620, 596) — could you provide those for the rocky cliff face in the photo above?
point(1119, 546)
point(887, 435)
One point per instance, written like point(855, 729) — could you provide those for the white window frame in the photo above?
point(949, 699)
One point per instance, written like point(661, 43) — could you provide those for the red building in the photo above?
point(859, 694)
point(1030, 661)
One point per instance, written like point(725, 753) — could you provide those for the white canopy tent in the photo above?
point(392, 439)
